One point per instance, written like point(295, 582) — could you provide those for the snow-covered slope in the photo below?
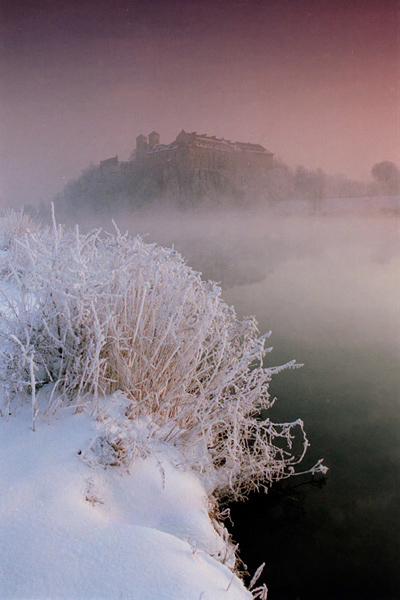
point(72, 529)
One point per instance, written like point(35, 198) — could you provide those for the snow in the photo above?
point(71, 528)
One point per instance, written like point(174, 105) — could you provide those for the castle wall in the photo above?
point(191, 151)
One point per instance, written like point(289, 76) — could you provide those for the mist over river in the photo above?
point(328, 288)
point(335, 309)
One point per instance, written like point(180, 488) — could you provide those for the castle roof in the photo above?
point(248, 147)
point(109, 161)
point(202, 140)
point(206, 141)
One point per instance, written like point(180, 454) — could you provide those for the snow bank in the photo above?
point(72, 529)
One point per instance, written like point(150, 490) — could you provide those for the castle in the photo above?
point(192, 152)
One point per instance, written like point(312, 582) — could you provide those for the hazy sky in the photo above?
point(315, 81)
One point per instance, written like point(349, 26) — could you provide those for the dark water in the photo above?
point(336, 309)
point(328, 288)
point(341, 540)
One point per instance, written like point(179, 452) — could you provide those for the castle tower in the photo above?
point(154, 140)
point(141, 146)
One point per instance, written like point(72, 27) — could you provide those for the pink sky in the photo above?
point(315, 81)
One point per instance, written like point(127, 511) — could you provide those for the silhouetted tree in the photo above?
point(387, 177)
point(310, 185)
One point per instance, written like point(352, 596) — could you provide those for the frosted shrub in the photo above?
point(99, 313)
point(14, 225)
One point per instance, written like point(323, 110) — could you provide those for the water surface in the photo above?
point(333, 304)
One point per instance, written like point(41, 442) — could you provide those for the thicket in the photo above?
point(97, 314)
point(14, 224)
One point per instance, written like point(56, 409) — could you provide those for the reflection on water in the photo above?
point(336, 310)
point(328, 288)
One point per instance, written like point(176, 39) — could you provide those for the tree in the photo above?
point(310, 185)
point(387, 177)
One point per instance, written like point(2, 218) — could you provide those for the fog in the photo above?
point(315, 82)
point(330, 278)
point(306, 275)
point(308, 278)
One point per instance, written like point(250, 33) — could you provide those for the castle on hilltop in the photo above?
point(192, 152)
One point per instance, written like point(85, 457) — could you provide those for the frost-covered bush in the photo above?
point(99, 313)
point(14, 225)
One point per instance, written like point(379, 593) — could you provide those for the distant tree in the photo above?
point(341, 186)
point(310, 185)
point(277, 184)
point(387, 177)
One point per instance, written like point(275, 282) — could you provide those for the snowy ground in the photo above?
point(72, 529)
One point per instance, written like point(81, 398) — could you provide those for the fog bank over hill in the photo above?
point(195, 178)
point(148, 188)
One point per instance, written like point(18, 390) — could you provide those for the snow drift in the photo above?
point(69, 529)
